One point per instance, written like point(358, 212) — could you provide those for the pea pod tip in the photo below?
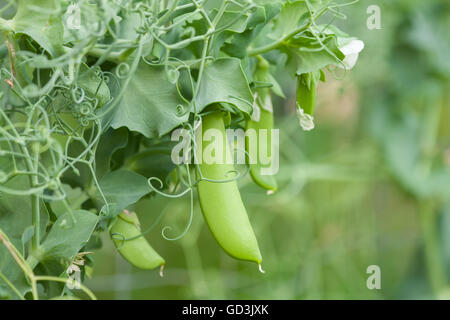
point(161, 271)
point(260, 268)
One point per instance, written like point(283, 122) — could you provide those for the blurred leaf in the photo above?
point(292, 15)
point(40, 20)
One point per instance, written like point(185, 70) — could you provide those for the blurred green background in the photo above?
point(369, 186)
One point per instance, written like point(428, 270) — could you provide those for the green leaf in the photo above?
point(233, 21)
point(224, 82)
point(238, 44)
point(110, 142)
point(123, 188)
point(151, 105)
point(15, 221)
point(276, 88)
point(40, 20)
point(74, 197)
point(67, 236)
point(292, 15)
point(155, 161)
point(93, 85)
point(305, 55)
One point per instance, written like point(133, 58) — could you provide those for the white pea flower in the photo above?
point(73, 268)
point(306, 120)
point(351, 50)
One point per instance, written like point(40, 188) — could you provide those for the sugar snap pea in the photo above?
point(133, 247)
point(306, 92)
point(262, 119)
point(221, 202)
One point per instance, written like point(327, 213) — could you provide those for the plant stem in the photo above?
point(64, 280)
point(278, 43)
point(20, 261)
point(434, 263)
point(13, 288)
point(427, 210)
point(5, 25)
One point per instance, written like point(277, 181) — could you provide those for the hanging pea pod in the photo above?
point(127, 237)
point(262, 119)
point(306, 92)
point(221, 202)
point(306, 97)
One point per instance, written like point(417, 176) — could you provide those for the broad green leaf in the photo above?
point(238, 44)
point(292, 15)
point(40, 20)
point(151, 104)
point(74, 197)
point(123, 188)
point(67, 236)
point(233, 21)
point(276, 88)
point(155, 161)
point(230, 23)
point(224, 82)
point(304, 55)
point(110, 142)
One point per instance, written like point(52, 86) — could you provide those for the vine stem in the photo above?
point(434, 264)
point(427, 207)
point(21, 262)
point(12, 286)
point(5, 25)
point(29, 272)
point(64, 280)
point(35, 210)
point(278, 43)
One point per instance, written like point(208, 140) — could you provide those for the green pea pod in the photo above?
point(306, 92)
point(136, 251)
point(265, 122)
point(221, 202)
point(262, 121)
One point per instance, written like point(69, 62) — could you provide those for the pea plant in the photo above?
point(91, 92)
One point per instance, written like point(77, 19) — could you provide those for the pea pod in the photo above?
point(262, 119)
point(137, 250)
point(221, 202)
point(306, 92)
